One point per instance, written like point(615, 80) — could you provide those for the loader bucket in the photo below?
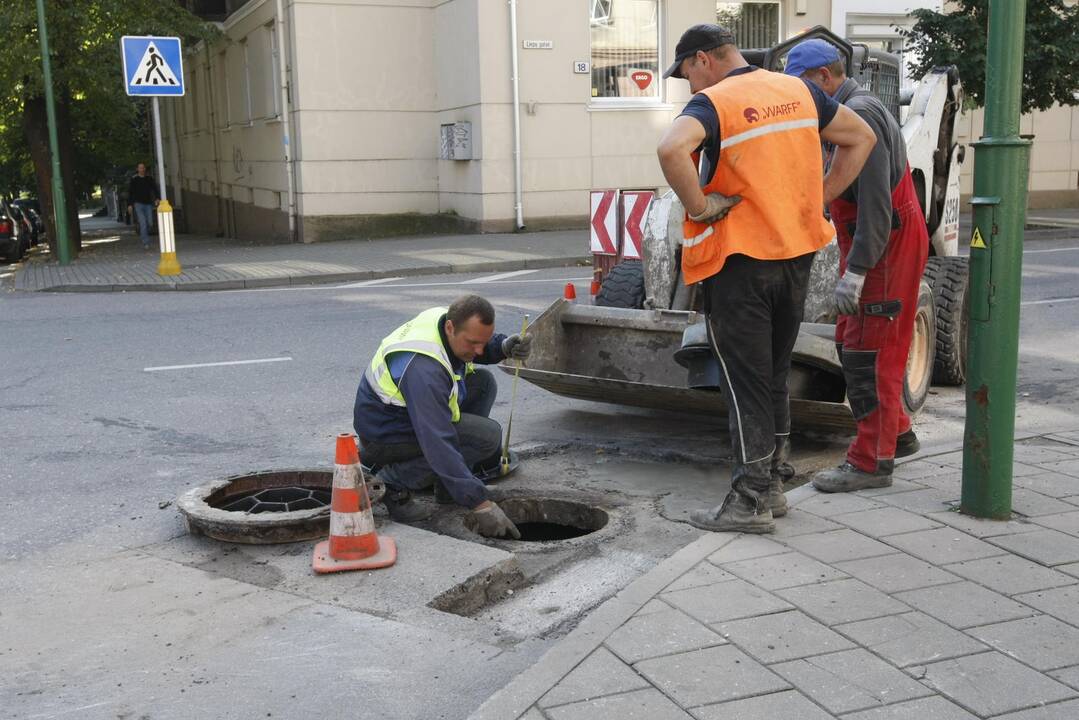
point(624, 356)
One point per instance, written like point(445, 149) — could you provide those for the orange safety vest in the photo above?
point(770, 155)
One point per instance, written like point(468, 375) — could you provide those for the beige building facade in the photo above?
point(401, 113)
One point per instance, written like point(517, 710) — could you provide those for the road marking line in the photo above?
point(1050, 301)
point(216, 364)
point(368, 283)
point(1049, 250)
point(503, 276)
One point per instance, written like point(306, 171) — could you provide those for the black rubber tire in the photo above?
point(915, 391)
point(947, 278)
point(623, 287)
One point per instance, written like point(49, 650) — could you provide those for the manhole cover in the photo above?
point(550, 520)
point(267, 507)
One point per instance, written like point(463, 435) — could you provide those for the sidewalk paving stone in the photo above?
point(1032, 504)
point(782, 637)
point(949, 480)
point(838, 545)
point(1010, 575)
point(1068, 676)
point(898, 485)
point(797, 522)
point(647, 704)
point(775, 706)
point(882, 521)
point(980, 527)
point(1041, 452)
point(1064, 467)
point(943, 545)
point(916, 469)
point(850, 680)
point(930, 708)
point(1065, 522)
point(704, 573)
point(842, 601)
point(923, 501)
point(724, 601)
point(660, 633)
point(827, 505)
point(782, 571)
point(992, 683)
point(1067, 710)
point(1062, 603)
point(913, 638)
point(895, 573)
point(653, 606)
point(1047, 547)
point(708, 676)
point(746, 547)
point(1050, 483)
point(964, 605)
point(1043, 642)
point(600, 674)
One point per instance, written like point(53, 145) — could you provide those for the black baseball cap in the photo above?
point(704, 37)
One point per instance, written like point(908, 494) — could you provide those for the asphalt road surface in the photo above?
point(112, 404)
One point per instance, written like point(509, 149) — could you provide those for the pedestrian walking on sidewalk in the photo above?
point(883, 246)
point(422, 410)
point(143, 197)
point(754, 220)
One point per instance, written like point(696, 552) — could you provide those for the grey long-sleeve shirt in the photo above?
point(872, 190)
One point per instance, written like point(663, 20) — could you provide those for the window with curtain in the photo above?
point(754, 24)
point(625, 50)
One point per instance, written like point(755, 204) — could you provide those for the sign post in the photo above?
point(153, 67)
point(59, 202)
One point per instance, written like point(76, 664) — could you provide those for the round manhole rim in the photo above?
point(604, 519)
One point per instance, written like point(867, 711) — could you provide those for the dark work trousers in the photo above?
point(754, 310)
point(478, 438)
point(875, 343)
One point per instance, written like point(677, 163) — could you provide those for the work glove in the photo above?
point(848, 292)
point(517, 347)
point(716, 207)
point(492, 522)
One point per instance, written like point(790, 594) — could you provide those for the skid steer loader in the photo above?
point(643, 343)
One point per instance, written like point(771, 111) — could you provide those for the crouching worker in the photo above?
point(422, 410)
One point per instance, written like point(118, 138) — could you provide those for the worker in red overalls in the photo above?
point(883, 247)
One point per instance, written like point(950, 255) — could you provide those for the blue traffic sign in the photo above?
point(152, 65)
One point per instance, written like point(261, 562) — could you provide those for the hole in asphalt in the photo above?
point(550, 520)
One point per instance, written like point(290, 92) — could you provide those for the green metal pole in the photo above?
point(1001, 167)
point(59, 203)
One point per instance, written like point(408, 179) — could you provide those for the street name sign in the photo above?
point(153, 66)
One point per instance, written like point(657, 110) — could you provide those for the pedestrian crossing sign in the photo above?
point(152, 65)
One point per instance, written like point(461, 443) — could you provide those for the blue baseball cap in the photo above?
point(810, 55)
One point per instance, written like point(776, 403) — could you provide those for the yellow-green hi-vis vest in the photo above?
point(418, 335)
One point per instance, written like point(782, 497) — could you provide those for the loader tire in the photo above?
point(919, 373)
point(623, 287)
point(947, 278)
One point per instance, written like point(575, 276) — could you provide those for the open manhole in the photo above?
point(266, 507)
point(549, 520)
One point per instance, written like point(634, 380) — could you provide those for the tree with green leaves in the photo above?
point(1051, 49)
point(99, 126)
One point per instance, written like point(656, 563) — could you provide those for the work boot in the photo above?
point(738, 513)
point(777, 500)
point(907, 444)
point(781, 472)
point(404, 508)
point(847, 478)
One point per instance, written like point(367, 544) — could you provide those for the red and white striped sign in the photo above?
point(635, 205)
point(604, 221)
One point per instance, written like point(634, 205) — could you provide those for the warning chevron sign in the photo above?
point(152, 65)
point(976, 240)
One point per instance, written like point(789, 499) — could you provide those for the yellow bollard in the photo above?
point(169, 264)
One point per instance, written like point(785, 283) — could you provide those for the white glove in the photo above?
point(848, 293)
point(492, 522)
point(716, 207)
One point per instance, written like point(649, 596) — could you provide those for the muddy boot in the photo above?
point(738, 513)
point(404, 508)
point(907, 444)
point(781, 471)
point(847, 478)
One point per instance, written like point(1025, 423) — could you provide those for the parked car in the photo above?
point(26, 221)
point(32, 210)
point(14, 239)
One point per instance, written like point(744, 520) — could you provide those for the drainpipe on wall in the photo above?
point(286, 133)
point(211, 103)
point(518, 204)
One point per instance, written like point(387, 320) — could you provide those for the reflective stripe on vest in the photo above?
point(769, 155)
point(419, 335)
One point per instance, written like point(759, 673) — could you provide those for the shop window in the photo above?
point(754, 24)
point(625, 51)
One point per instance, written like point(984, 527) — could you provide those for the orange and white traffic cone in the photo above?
point(570, 292)
point(353, 543)
point(593, 290)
